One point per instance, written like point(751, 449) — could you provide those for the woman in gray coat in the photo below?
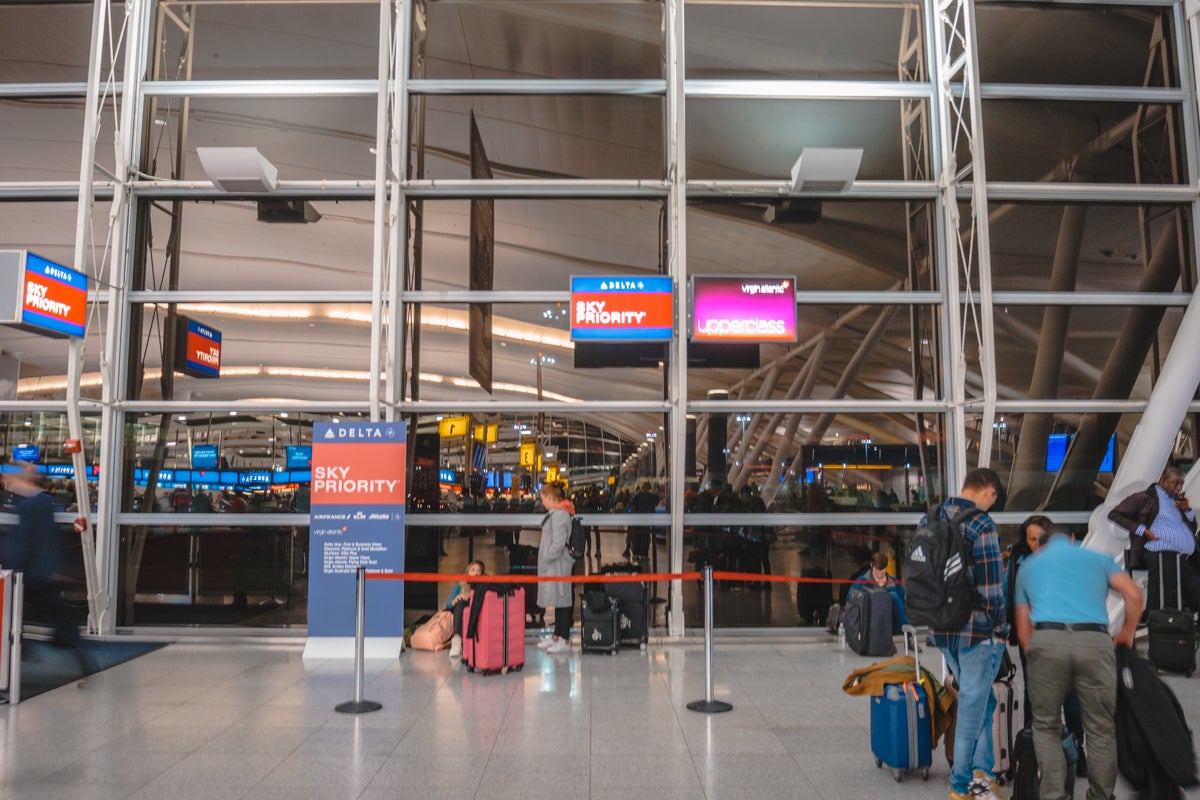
point(553, 559)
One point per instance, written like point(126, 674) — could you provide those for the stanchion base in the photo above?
point(709, 706)
point(357, 707)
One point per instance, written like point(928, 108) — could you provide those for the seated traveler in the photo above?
point(877, 575)
point(460, 595)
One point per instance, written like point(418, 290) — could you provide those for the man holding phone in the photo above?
point(1162, 518)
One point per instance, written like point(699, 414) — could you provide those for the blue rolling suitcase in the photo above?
point(901, 724)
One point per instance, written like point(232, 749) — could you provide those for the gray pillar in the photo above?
point(1029, 465)
point(1079, 469)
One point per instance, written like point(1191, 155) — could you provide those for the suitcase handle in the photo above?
point(1162, 600)
point(909, 630)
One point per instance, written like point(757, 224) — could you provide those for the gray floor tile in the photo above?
point(606, 727)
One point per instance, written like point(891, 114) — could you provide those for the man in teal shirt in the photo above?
point(1062, 621)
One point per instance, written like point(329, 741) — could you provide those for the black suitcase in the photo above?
point(867, 617)
point(633, 601)
point(1172, 631)
point(599, 623)
point(522, 560)
point(814, 599)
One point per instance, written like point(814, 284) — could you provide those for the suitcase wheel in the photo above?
point(925, 773)
point(878, 763)
point(898, 775)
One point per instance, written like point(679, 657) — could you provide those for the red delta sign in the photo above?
point(198, 349)
point(633, 309)
point(41, 296)
point(358, 473)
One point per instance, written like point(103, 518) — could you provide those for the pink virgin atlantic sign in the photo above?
point(732, 309)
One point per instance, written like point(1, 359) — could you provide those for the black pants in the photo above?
point(44, 604)
point(458, 610)
point(563, 617)
point(1164, 563)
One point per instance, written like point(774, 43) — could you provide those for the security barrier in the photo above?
point(708, 705)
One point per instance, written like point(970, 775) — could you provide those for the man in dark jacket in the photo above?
point(1160, 520)
point(32, 548)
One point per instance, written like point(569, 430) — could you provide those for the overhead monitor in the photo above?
point(197, 349)
point(205, 456)
point(1056, 452)
point(299, 456)
point(27, 452)
point(622, 309)
point(39, 295)
point(743, 309)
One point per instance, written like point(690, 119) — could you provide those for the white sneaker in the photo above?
point(559, 646)
point(545, 643)
point(456, 646)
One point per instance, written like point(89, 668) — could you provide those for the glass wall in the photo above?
point(525, 143)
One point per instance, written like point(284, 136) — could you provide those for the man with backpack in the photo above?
point(956, 585)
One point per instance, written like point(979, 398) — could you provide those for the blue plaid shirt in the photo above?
point(989, 618)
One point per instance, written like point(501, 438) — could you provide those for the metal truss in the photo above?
point(960, 133)
point(114, 29)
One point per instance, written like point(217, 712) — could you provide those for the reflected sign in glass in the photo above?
point(733, 309)
point(204, 456)
point(636, 309)
point(197, 349)
point(41, 296)
point(27, 452)
point(299, 456)
point(1056, 452)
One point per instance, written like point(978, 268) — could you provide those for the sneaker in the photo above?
point(983, 789)
point(559, 646)
point(991, 784)
point(544, 644)
point(456, 646)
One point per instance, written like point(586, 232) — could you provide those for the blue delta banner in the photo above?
point(356, 519)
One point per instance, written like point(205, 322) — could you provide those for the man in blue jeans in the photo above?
point(973, 652)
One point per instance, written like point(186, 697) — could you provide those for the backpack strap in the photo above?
point(956, 523)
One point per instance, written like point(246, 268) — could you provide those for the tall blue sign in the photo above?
point(356, 519)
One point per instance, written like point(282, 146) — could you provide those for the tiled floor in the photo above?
point(247, 720)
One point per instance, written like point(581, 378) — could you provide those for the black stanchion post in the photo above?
point(708, 705)
point(358, 705)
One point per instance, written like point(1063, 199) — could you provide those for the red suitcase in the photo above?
point(494, 639)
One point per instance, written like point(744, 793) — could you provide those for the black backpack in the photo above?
point(939, 574)
point(577, 540)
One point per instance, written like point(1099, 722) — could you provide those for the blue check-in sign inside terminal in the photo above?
point(27, 452)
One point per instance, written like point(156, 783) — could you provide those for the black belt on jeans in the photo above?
point(1094, 627)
